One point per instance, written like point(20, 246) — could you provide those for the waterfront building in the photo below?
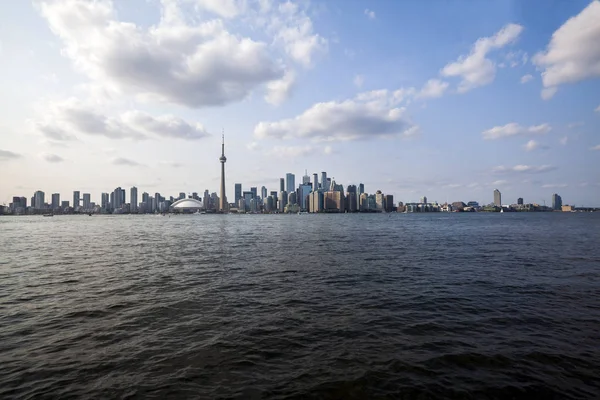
point(38, 200)
point(497, 198)
point(222, 160)
point(360, 189)
point(333, 201)
point(379, 201)
point(64, 205)
point(389, 203)
point(263, 192)
point(269, 204)
point(118, 198)
point(290, 182)
point(281, 184)
point(292, 198)
point(86, 201)
point(238, 193)
point(473, 204)
point(423, 200)
point(55, 201)
point(401, 207)
point(133, 200)
point(305, 178)
point(76, 199)
point(247, 196)
point(363, 204)
point(254, 192)
point(556, 202)
point(315, 182)
point(195, 196)
point(324, 180)
point(275, 198)
point(304, 191)
point(458, 205)
point(520, 201)
point(206, 200)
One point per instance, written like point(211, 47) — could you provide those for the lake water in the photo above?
point(405, 306)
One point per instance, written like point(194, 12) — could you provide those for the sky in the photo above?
point(448, 100)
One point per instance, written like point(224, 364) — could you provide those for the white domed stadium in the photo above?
point(187, 205)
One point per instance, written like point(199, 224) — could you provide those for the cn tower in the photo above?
point(223, 159)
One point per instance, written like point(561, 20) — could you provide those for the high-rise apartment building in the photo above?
point(55, 201)
point(237, 193)
point(556, 202)
point(389, 203)
point(104, 203)
point(290, 182)
point(281, 184)
point(380, 201)
point(76, 199)
point(86, 201)
point(38, 200)
point(315, 182)
point(254, 192)
point(324, 181)
point(133, 200)
point(520, 201)
point(497, 198)
point(263, 193)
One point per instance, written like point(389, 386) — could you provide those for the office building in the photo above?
point(247, 196)
point(315, 182)
point(263, 193)
point(38, 200)
point(304, 191)
point(55, 201)
point(423, 200)
point(305, 178)
point(292, 198)
point(181, 196)
point(238, 192)
point(333, 201)
point(254, 192)
point(324, 180)
point(133, 200)
point(206, 200)
point(64, 205)
point(86, 201)
point(556, 202)
point(520, 201)
point(316, 201)
point(117, 199)
point(497, 198)
point(379, 201)
point(76, 200)
point(290, 182)
point(104, 201)
point(389, 203)
point(222, 160)
point(360, 189)
point(281, 184)
point(275, 198)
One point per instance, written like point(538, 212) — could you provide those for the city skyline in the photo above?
point(365, 90)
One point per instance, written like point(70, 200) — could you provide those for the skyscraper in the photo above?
point(254, 192)
point(361, 189)
point(105, 201)
point(290, 182)
point(315, 182)
point(55, 201)
point(263, 192)
point(305, 178)
point(423, 200)
point(497, 198)
point(520, 201)
point(237, 192)
point(133, 200)
point(222, 160)
point(281, 184)
point(117, 198)
point(324, 180)
point(86, 201)
point(38, 200)
point(556, 202)
point(76, 199)
point(181, 196)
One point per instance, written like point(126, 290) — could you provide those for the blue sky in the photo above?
point(444, 99)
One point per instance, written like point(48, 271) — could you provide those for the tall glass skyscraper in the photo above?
point(290, 182)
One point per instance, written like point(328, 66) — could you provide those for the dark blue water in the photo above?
point(481, 306)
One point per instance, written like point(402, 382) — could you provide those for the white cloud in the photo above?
point(526, 78)
point(369, 115)
point(575, 124)
point(222, 8)
point(193, 65)
point(514, 129)
point(290, 151)
point(476, 69)
point(280, 90)
point(327, 150)
point(597, 148)
point(358, 81)
point(253, 146)
point(597, 109)
point(548, 93)
point(369, 13)
point(294, 30)
point(499, 182)
point(172, 164)
point(6, 155)
point(521, 169)
point(564, 140)
point(433, 88)
point(554, 185)
point(126, 162)
point(573, 53)
point(531, 145)
point(52, 158)
point(62, 121)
